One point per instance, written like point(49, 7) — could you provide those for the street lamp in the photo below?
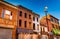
point(45, 10)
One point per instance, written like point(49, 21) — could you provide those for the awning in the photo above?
point(56, 31)
point(19, 30)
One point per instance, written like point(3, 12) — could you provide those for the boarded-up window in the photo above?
point(6, 14)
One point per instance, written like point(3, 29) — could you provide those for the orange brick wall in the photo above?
point(43, 22)
point(12, 22)
point(25, 19)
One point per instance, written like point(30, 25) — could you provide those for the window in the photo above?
point(33, 18)
point(3, 13)
point(37, 27)
point(25, 15)
point(29, 16)
point(6, 14)
point(29, 23)
point(51, 19)
point(57, 21)
point(42, 28)
point(53, 25)
point(45, 28)
point(11, 16)
point(20, 22)
point(20, 13)
point(25, 24)
point(54, 20)
point(11, 13)
point(37, 19)
point(34, 26)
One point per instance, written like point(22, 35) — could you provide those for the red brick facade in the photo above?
point(15, 20)
point(5, 21)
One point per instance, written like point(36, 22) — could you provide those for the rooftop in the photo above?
point(53, 16)
point(28, 9)
point(21, 7)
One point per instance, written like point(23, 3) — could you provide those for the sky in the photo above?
point(37, 6)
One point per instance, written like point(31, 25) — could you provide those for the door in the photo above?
point(5, 33)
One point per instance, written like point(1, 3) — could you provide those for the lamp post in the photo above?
point(45, 10)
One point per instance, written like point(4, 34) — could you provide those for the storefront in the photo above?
point(34, 36)
point(51, 36)
point(56, 33)
point(5, 33)
point(24, 33)
point(55, 37)
point(24, 36)
point(44, 37)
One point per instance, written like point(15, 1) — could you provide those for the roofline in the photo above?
point(28, 9)
point(8, 4)
point(24, 7)
point(53, 17)
point(13, 6)
point(36, 14)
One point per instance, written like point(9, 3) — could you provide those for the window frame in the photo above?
point(25, 24)
point(25, 15)
point(33, 18)
point(29, 16)
point(20, 23)
point(20, 13)
point(34, 26)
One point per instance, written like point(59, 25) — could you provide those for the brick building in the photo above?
point(25, 23)
point(36, 23)
point(18, 22)
point(8, 20)
point(48, 25)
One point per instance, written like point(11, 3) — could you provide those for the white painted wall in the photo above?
point(36, 23)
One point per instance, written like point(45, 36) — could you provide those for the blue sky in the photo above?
point(37, 6)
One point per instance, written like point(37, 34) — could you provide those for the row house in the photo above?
point(51, 26)
point(36, 23)
point(44, 28)
point(8, 20)
point(27, 23)
point(18, 22)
